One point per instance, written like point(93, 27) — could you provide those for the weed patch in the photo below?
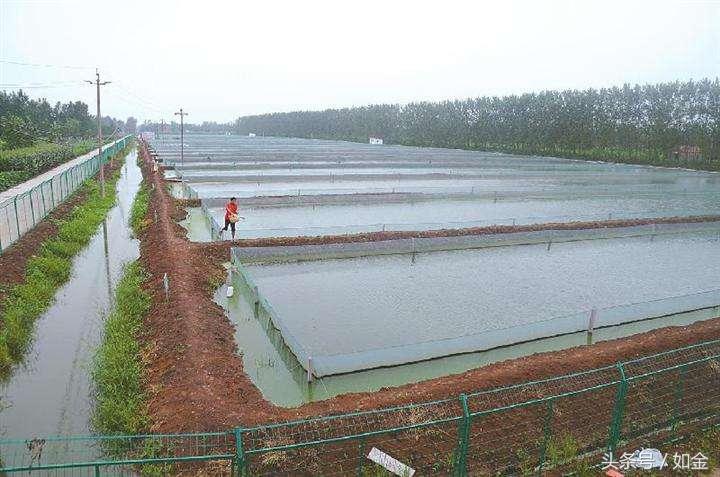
point(117, 368)
point(139, 220)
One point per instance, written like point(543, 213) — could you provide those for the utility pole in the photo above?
point(97, 83)
point(182, 131)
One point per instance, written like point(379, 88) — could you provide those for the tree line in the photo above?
point(173, 128)
point(25, 122)
point(665, 123)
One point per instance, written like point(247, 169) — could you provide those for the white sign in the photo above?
point(391, 464)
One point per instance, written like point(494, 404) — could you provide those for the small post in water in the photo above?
point(230, 288)
point(592, 320)
point(309, 370)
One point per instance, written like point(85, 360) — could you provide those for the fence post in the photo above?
point(679, 391)
point(239, 452)
point(619, 410)
point(361, 457)
point(42, 196)
point(547, 431)
point(32, 207)
point(463, 439)
point(17, 219)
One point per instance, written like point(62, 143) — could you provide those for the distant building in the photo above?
point(147, 135)
point(375, 140)
point(686, 153)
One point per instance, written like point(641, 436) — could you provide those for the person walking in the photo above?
point(231, 217)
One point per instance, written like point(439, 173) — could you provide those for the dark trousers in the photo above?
point(229, 224)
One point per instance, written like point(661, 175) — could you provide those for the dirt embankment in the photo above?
point(196, 380)
point(494, 229)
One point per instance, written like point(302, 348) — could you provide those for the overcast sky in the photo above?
point(220, 60)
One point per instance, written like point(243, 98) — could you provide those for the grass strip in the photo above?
point(50, 269)
point(117, 368)
point(139, 220)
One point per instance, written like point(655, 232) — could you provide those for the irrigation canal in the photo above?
point(50, 393)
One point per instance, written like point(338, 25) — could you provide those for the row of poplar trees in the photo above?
point(25, 121)
point(668, 123)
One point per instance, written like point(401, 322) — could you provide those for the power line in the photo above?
point(41, 65)
point(53, 84)
point(141, 99)
point(134, 102)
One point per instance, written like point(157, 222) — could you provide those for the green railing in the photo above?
point(21, 212)
point(520, 429)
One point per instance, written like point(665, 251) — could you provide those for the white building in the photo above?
point(375, 140)
point(147, 135)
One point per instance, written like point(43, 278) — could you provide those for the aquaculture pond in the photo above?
point(322, 218)
point(386, 310)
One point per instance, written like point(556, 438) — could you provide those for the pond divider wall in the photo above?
point(213, 224)
point(298, 253)
point(265, 313)
point(471, 194)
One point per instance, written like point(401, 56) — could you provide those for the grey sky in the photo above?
point(220, 60)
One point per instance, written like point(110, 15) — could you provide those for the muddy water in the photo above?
point(51, 392)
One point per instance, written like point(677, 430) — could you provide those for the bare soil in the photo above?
point(195, 376)
point(494, 229)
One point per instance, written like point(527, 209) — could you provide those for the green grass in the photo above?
point(139, 220)
point(48, 270)
point(117, 368)
point(10, 179)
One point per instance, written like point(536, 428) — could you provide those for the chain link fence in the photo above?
point(21, 212)
point(522, 429)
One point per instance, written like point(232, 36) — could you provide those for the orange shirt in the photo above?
point(230, 209)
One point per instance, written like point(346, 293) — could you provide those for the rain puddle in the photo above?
point(50, 393)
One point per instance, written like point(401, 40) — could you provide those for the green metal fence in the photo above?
point(21, 212)
point(521, 429)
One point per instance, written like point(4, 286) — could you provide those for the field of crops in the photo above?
point(19, 165)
